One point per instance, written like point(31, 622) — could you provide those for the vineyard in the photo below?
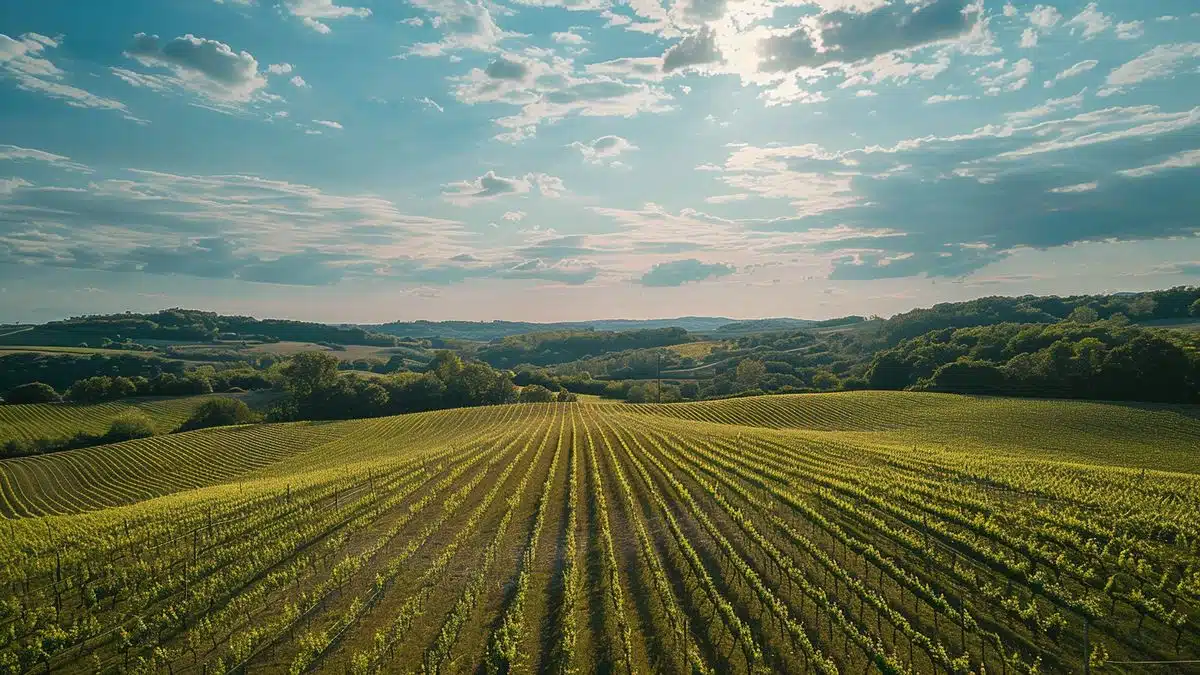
point(57, 420)
point(854, 533)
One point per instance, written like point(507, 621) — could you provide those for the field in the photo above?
point(696, 350)
point(59, 420)
point(858, 532)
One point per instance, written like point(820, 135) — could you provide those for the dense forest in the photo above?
point(562, 346)
point(1180, 302)
point(1107, 359)
point(194, 325)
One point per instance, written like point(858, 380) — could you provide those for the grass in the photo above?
point(914, 532)
point(58, 420)
point(696, 350)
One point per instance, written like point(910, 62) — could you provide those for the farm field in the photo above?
point(856, 532)
point(58, 420)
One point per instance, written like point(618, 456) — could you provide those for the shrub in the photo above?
point(536, 393)
point(131, 425)
point(565, 396)
point(34, 392)
point(219, 412)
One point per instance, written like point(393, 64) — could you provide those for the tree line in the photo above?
point(198, 326)
point(552, 347)
point(1108, 360)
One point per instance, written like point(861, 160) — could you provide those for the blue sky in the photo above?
point(359, 160)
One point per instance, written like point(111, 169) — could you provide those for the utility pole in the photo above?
point(659, 377)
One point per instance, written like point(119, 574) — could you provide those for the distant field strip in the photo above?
point(739, 536)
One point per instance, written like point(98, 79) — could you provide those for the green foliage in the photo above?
point(1103, 360)
point(310, 372)
point(562, 346)
point(536, 393)
point(194, 325)
point(131, 425)
point(219, 412)
point(565, 396)
point(1173, 303)
point(34, 392)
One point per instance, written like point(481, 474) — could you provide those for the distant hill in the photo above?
point(188, 325)
point(764, 325)
point(486, 331)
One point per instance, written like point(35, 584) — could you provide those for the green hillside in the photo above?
point(855, 532)
point(59, 420)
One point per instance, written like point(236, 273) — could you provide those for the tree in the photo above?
point(750, 373)
point(967, 377)
point(636, 394)
point(89, 390)
point(1195, 308)
point(564, 396)
point(219, 412)
point(825, 380)
point(129, 426)
point(34, 392)
point(445, 364)
point(309, 372)
point(689, 390)
point(536, 393)
point(1083, 314)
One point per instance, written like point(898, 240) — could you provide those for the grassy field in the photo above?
point(857, 532)
point(696, 350)
point(60, 420)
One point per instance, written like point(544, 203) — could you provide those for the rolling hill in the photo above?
point(856, 532)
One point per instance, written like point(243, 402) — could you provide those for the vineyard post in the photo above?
point(1087, 650)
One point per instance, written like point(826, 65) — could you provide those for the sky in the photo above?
point(379, 160)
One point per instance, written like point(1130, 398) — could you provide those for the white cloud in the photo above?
point(207, 67)
point(1009, 10)
point(1013, 80)
point(865, 93)
point(24, 61)
point(1077, 69)
point(1184, 160)
point(1029, 38)
point(468, 25)
point(568, 38)
point(1048, 108)
point(547, 88)
point(279, 68)
point(13, 153)
point(1090, 22)
point(320, 27)
point(309, 11)
point(1044, 17)
point(514, 216)
point(299, 82)
point(947, 98)
point(1158, 63)
point(603, 149)
point(328, 123)
point(430, 103)
point(1130, 30)
point(1080, 187)
point(491, 186)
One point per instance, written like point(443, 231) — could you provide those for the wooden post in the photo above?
point(1087, 649)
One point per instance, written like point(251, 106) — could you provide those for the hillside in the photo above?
point(59, 420)
point(863, 528)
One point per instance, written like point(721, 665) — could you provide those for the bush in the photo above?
point(565, 396)
point(129, 426)
point(536, 393)
point(34, 392)
point(219, 412)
